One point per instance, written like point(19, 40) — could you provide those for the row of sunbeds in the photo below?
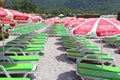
point(82, 49)
point(58, 30)
point(26, 29)
point(17, 59)
point(114, 41)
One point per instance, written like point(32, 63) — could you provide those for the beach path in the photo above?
point(54, 64)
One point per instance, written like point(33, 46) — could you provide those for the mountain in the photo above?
point(110, 6)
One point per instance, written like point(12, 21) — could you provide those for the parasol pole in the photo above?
point(2, 39)
point(101, 46)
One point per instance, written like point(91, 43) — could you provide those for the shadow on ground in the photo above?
point(108, 46)
point(41, 53)
point(116, 51)
point(63, 58)
point(71, 75)
point(58, 43)
point(97, 41)
point(61, 48)
point(58, 39)
point(104, 44)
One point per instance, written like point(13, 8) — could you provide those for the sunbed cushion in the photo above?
point(15, 79)
point(18, 66)
point(98, 74)
point(32, 49)
point(104, 57)
point(98, 67)
point(78, 51)
point(36, 46)
point(75, 55)
point(26, 58)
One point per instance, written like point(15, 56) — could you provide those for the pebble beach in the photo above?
point(54, 63)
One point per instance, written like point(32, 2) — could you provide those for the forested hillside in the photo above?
point(102, 6)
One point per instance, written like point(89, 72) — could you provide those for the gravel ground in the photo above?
point(109, 49)
point(54, 64)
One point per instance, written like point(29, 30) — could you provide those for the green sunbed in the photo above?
point(98, 71)
point(99, 74)
point(1, 78)
point(76, 55)
point(17, 68)
point(26, 58)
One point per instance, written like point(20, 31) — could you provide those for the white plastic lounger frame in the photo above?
point(7, 73)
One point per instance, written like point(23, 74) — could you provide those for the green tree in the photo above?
point(25, 6)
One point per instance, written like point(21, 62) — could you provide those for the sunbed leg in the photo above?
point(78, 60)
point(82, 78)
point(31, 75)
point(112, 64)
point(5, 72)
point(25, 75)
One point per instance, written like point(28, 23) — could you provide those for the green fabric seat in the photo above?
point(32, 49)
point(13, 42)
point(78, 51)
point(98, 67)
point(79, 54)
point(27, 50)
point(29, 45)
point(91, 47)
point(14, 78)
point(38, 40)
point(35, 46)
point(75, 55)
point(104, 57)
point(34, 42)
point(26, 58)
point(98, 71)
point(18, 66)
point(73, 51)
point(95, 49)
point(98, 74)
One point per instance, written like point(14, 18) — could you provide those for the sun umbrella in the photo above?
point(78, 22)
point(5, 16)
point(37, 19)
point(67, 19)
point(19, 17)
point(100, 27)
point(34, 18)
point(8, 16)
point(52, 20)
point(13, 15)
